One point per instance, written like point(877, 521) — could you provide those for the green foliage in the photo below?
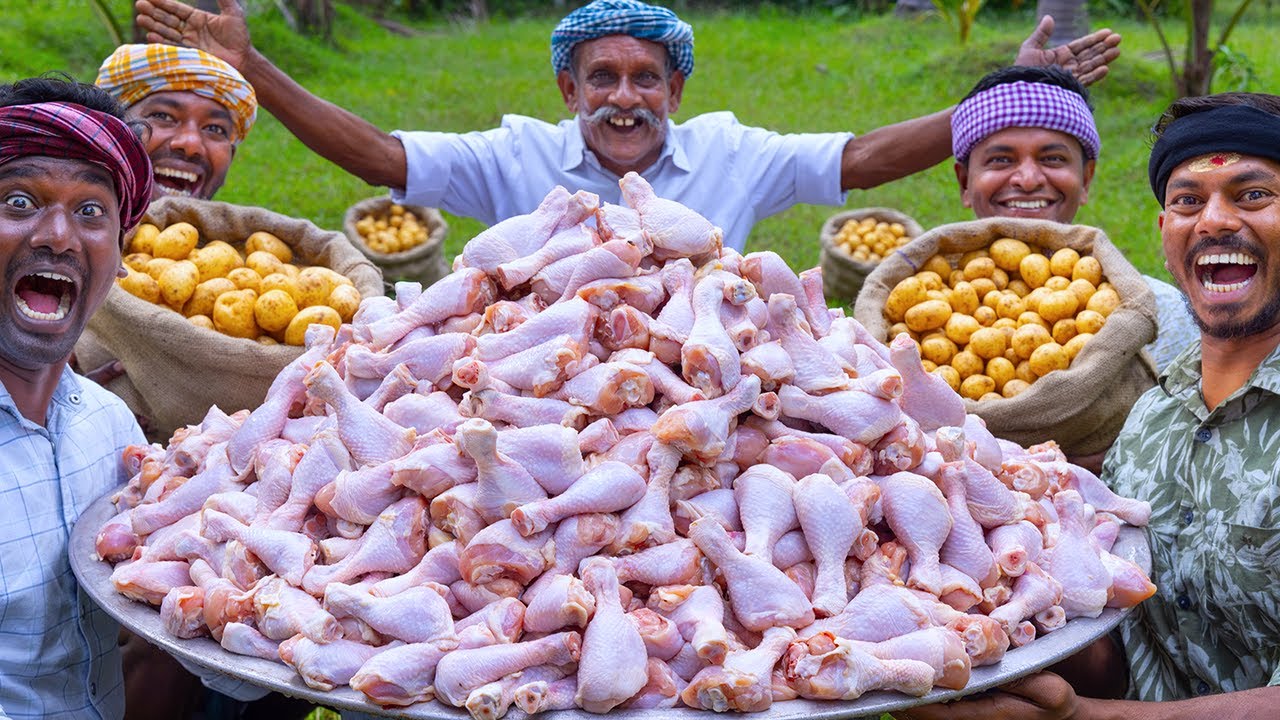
point(960, 13)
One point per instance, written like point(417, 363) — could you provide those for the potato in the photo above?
point(990, 396)
point(346, 300)
point(939, 265)
point(1076, 344)
point(1010, 306)
point(985, 316)
point(963, 298)
point(144, 239)
point(141, 285)
point(1064, 330)
point(1104, 301)
point(937, 348)
point(1015, 387)
point(1030, 318)
point(1033, 298)
point(1001, 370)
point(178, 282)
point(899, 328)
point(988, 343)
point(909, 292)
point(1022, 371)
point(936, 295)
point(966, 363)
point(336, 277)
point(977, 385)
point(1090, 321)
point(274, 309)
point(1029, 337)
point(206, 293)
point(314, 286)
point(955, 278)
point(950, 375)
point(1057, 282)
point(1082, 289)
point(1063, 261)
point(263, 263)
point(280, 281)
point(203, 321)
point(233, 314)
point(1034, 270)
point(1047, 358)
point(291, 270)
point(156, 265)
point(979, 267)
point(1019, 287)
point(263, 241)
point(1087, 268)
point(982, 286)
point(972, 254)
point(928, 365)
point(1007, 253)
point(992, 299)
point(1000, 278)
point(960, 328)
point(295, 333)
point(176, 241)
point(931, 280)
point(928, 315)
point(267, 340)
point(138, 261)
point(1058, 305)
point(215, 261)
point(245, 278)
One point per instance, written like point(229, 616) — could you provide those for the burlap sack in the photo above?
point(424, 263)
point(1082, 407)
point(174, 371)
point(842, 276)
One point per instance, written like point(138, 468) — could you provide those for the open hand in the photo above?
point(1040, 696)
point(1085, 57)
point(225, 35)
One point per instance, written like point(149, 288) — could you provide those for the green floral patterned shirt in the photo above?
point(1213, 481)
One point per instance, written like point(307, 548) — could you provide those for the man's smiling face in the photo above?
point(1026, 172)
point(191, 143)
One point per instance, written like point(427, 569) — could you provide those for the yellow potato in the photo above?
point(931, 280)
point(938, 264)
point(1008, 253)
point(1057, 282)
point(1010, 306)
point(899, 328)
point(1047, 358)
point(138, 261)
point(203, 321)
point(265, 241)
point(1008, 325)
point(950, 375)
point(215, 261)
point(937, 348)
point(972, 254)
point(1076, 344)
point(156, 265)
point(295, 334)
point(1000, 278)
point(1058, 305)
point(144, 238)
point(928, 365)
point(983, 285)
point(1034, 270)
point(1023, 372)
point(176, 241)
point(178, 282)
point(141, 285)
point(1030, 318)
point(1088, 268)
point(928, 315)
point(1090, 321)
point(1019, 287)
point(1104, 301)
point(280, 281)
point(979, 267)
point(1029, 337)
point(335, 277)
point(906, 294)
point(966, 363)
point(267, 340)
point(1015, 387)
point(955, 278)
point(346, 300)
point(1032, 299)
point(233, 314)
point(988, 343)
point(963, 298)
point(961, 327)
point(1001, 370)
point(263, 263)
point(206, 293)
point(991, 396)
point(1083, 290)
point(936, 295)
point(291, 270)
point(1064, 330)
point(274, 309)
point(1063, 261)
point(977, 385)
point(985, 316)
point(245, 278)
point(992, 299)
point(314, 286)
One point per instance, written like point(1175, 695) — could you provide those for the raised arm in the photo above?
point(338, 135)
point(902, 149)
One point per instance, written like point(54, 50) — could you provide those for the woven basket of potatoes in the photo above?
point(216, 302)
point(853, 243)
point(1039, 326)
point(405, 241)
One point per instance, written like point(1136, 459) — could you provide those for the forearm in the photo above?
point(895, 151)
point(1242, 705)
point(336, 134)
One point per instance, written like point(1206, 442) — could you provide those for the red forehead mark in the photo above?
point(1213, 162)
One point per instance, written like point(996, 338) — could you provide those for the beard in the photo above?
point(1233, 325)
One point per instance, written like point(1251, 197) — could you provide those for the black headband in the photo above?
point(1233, 128)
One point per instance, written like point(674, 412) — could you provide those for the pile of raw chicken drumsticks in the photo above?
point(607, 463)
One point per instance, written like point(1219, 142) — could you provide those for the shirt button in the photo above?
point(93, 688)
point(1188, 516)
point(74, 398)
point(1184, 602)
point(1203, 434)
point(1202, 688)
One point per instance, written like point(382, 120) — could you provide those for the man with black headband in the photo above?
point(73, 178)
point(1200, 447)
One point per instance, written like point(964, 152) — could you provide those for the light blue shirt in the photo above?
point(1176, 330)
point(58, 654)
point(732, 174)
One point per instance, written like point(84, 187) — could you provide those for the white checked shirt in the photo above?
point(58, 655)
point(732, 174)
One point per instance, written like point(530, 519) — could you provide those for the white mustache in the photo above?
point(606, 113)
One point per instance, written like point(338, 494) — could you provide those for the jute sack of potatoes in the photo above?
point(423, 263)
point(174, 371)
point(843, 274)
point(1083, 407)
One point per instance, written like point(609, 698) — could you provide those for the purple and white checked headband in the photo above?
point(1022, 104)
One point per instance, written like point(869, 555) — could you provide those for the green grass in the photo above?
point(809, 73)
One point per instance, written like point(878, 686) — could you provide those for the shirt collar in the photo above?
point(575, 151)
point(68, 386)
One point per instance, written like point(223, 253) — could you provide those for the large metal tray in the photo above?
point(144, 620)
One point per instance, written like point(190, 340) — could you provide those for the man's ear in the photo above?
point(1160, 220)
point(568, 88)
point(1089, 167)
point(962, 176)
point(675, 87)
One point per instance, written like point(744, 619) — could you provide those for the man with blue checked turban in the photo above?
point(196, 107)
point(621, 66)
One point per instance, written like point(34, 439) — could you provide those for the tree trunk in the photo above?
point(1070, 19)
point(1197, 71)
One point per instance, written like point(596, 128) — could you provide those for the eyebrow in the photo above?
point(1247, 176)
point(169, 103)
point(91, 174)
point(1009, 148)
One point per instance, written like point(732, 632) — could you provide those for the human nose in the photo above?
point(186, 139)
point(1027, 175)
point(624, 93)
point(1217, 217)
point(54, 231)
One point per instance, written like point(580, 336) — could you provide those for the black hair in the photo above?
point(59, 87)
point(1203, 103)
point(1046, 75)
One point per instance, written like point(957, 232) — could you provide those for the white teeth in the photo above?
point(54, 276)
point(1219, 288)
point(623, 122)
point(1027, 204)
point(64, 304)
point(174, 191)
point(1226, 259)
point(180, 174)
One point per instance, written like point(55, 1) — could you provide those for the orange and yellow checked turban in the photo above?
point(136, 71)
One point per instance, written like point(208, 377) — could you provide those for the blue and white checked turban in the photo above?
point(1022, 104)
point(623, 17)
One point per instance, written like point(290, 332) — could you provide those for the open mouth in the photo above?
point(1226, 272)
point(622, 122)
point(45, 296)
point(1026, 204)
point(176, 182)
